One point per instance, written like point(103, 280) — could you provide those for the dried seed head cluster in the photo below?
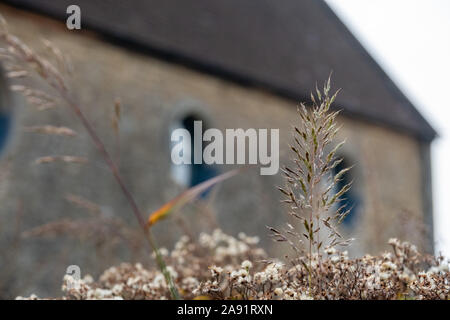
point(219, 266)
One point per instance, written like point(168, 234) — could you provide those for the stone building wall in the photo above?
point(154, 95)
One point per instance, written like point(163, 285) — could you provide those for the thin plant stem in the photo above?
point(49, 73)
point(115, 171)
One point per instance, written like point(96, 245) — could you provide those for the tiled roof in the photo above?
point(284, 46)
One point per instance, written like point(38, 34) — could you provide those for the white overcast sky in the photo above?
point(410, 39)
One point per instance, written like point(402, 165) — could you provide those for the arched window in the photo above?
point(349, 200)
point(5, 115)
point(5, 125)
point(189, 175)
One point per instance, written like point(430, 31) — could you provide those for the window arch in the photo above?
point(5, 126)
point(5, 113)
point(189, 175)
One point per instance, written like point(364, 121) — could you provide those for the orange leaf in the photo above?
point(186, 197)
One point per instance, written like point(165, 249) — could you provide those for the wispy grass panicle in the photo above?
point(311, 183)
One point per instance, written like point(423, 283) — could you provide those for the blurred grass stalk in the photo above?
point(23, 57)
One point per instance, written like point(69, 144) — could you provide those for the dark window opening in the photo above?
point(199, 172)
point(192, 174)
point(5, 113)
point(5, 125)
point(349, 200)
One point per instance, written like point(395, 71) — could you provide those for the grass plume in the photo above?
point(311, 183)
